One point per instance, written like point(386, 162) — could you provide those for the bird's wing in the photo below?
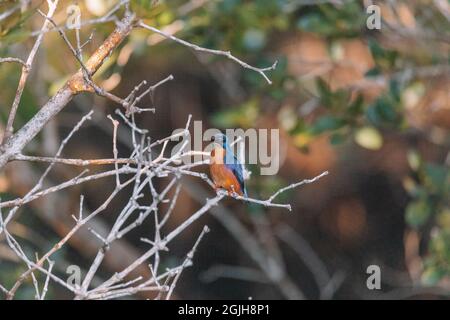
point(237, 170)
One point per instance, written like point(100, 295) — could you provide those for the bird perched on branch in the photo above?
point(226, 170)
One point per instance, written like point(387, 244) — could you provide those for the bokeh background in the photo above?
point(370, 106)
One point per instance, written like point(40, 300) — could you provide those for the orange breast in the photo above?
point(221, 175)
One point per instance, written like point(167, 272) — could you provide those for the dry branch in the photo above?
point(140, 170)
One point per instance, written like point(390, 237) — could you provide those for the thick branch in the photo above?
point(74, 85)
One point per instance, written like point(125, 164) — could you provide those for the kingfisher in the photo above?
point(226, 170)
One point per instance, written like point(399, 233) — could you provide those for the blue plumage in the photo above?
point(232, 163)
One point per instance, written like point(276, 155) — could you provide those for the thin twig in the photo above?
point(26, 70)
point(261, 71)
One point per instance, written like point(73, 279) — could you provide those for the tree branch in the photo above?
point(74, 85)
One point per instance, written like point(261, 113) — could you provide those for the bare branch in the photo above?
point(261, 71)
point(16, 60)
point(15, 144)
point(296, 185)
point(187, 262)
point(26, 70)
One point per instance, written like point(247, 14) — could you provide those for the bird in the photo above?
point(226, 171)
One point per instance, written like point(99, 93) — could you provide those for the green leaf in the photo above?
point(375, 71)
point(313, 22)
point(369, 138)
point(324, 92)
point(382, 111)
point(414, 159)
point(242, 116)
point(254, 39)
point(395, 90)
point(337, 138)
point(356, 107)
point(436, 176)
point(383, 57)
point(431, 277)
point(326, 123)
point(417, 213)
point(376, 50)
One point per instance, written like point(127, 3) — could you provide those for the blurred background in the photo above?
point(370, 106)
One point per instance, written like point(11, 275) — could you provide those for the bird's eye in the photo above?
point(213, 138)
